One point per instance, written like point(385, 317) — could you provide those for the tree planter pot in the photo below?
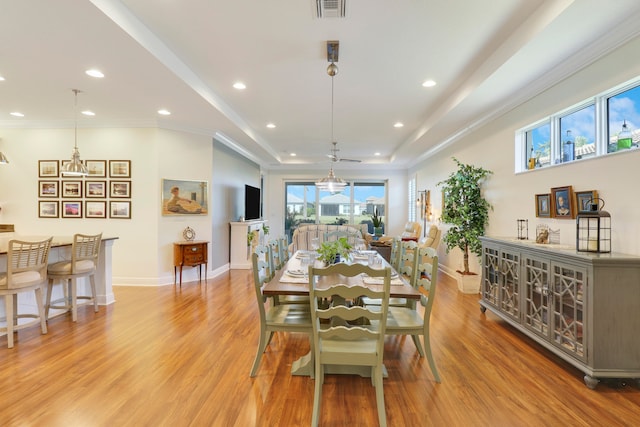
point(469, 283)
point(378, 231)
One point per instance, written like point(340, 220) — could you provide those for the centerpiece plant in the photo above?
point(466, 210)
point(330, 252)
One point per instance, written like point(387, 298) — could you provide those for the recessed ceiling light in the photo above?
point(88, 113)
point(239, 85)
point(293, 154)
point(95, 73)
point(1, 79)
point(377, 153)
point(164, 112)
point(271, 125)
point(17, 114)
point(429, 83)
point(398, 125)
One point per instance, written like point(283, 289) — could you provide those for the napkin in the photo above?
point(380, 281)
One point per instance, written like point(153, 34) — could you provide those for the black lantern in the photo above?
point(593, 228)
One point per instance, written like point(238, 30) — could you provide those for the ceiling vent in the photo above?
point(331, 8)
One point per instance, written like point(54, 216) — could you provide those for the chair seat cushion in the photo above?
point(64, 267)
point(25, 278)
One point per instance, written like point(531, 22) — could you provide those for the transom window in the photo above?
point(607, 123)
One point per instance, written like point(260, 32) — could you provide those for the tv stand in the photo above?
point(240, 252)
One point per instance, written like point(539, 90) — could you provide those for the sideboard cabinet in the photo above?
point(583, 307)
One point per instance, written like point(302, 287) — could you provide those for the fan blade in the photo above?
point(350, 160)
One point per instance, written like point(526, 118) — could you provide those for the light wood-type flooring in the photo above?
point(171, 356)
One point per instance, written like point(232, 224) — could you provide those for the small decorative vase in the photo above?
point(377, 231)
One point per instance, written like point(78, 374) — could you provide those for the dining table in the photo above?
point(292, 279)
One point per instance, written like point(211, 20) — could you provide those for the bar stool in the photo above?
point(84, 258)
point(26, 271)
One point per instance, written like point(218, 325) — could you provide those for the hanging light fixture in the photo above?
point(331, 183)
point(75, 167)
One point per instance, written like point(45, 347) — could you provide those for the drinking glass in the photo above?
point(315, 244)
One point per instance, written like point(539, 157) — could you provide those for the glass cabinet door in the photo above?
point(537, 298)
point(568, 313)
point(509, 288)
point(491, 275)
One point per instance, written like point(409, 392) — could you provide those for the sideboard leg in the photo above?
point(591, 382)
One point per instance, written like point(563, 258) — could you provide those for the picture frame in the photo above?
point(71, 189)
point(95, 209)
point(48, 209)
point(120, 209)
point(48, 188)
point(543, 205)
point(583, 198)
point(96, 168)
point(71, 209)
point(95, 189)
point(120, 189)
point(563, 203)
point(120, 168)
point(48, 168)
point(184, 197)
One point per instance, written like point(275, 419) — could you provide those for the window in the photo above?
point(538, 146)
point(577, 135)
point(605, 124)
point(623, 111)
point(354, 205)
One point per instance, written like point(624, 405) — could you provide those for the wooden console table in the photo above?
point(190, 253)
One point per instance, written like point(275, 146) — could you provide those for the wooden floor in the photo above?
point(181, 357)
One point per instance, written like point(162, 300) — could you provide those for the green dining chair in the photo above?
point(346, 339)
point(409, 321)
point(274, 318)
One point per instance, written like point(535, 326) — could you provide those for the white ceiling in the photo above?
point(184, 55)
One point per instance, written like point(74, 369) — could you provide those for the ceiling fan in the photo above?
point(334, 155)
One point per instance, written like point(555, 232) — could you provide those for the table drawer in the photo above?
point(191, 249)
point(191, 258)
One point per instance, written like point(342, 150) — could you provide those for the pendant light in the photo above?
point(331, 183)
point(75, 167)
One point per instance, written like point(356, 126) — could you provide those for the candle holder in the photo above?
point(523, 229)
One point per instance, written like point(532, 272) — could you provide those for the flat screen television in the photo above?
point(251, 203)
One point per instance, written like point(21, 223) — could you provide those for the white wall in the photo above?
point(615, 176)
point(142, 255)
point(231, 172)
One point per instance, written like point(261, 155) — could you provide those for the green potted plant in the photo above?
point(467, 213)
point(376, 219)
point(330, 252)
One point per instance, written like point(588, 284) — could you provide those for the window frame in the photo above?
point(601, 135)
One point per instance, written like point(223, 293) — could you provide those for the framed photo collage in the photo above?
point(104, 193)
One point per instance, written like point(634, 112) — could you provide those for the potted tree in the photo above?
point(376, 220)
point(467, 212)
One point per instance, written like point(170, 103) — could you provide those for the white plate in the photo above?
point(295, 273)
